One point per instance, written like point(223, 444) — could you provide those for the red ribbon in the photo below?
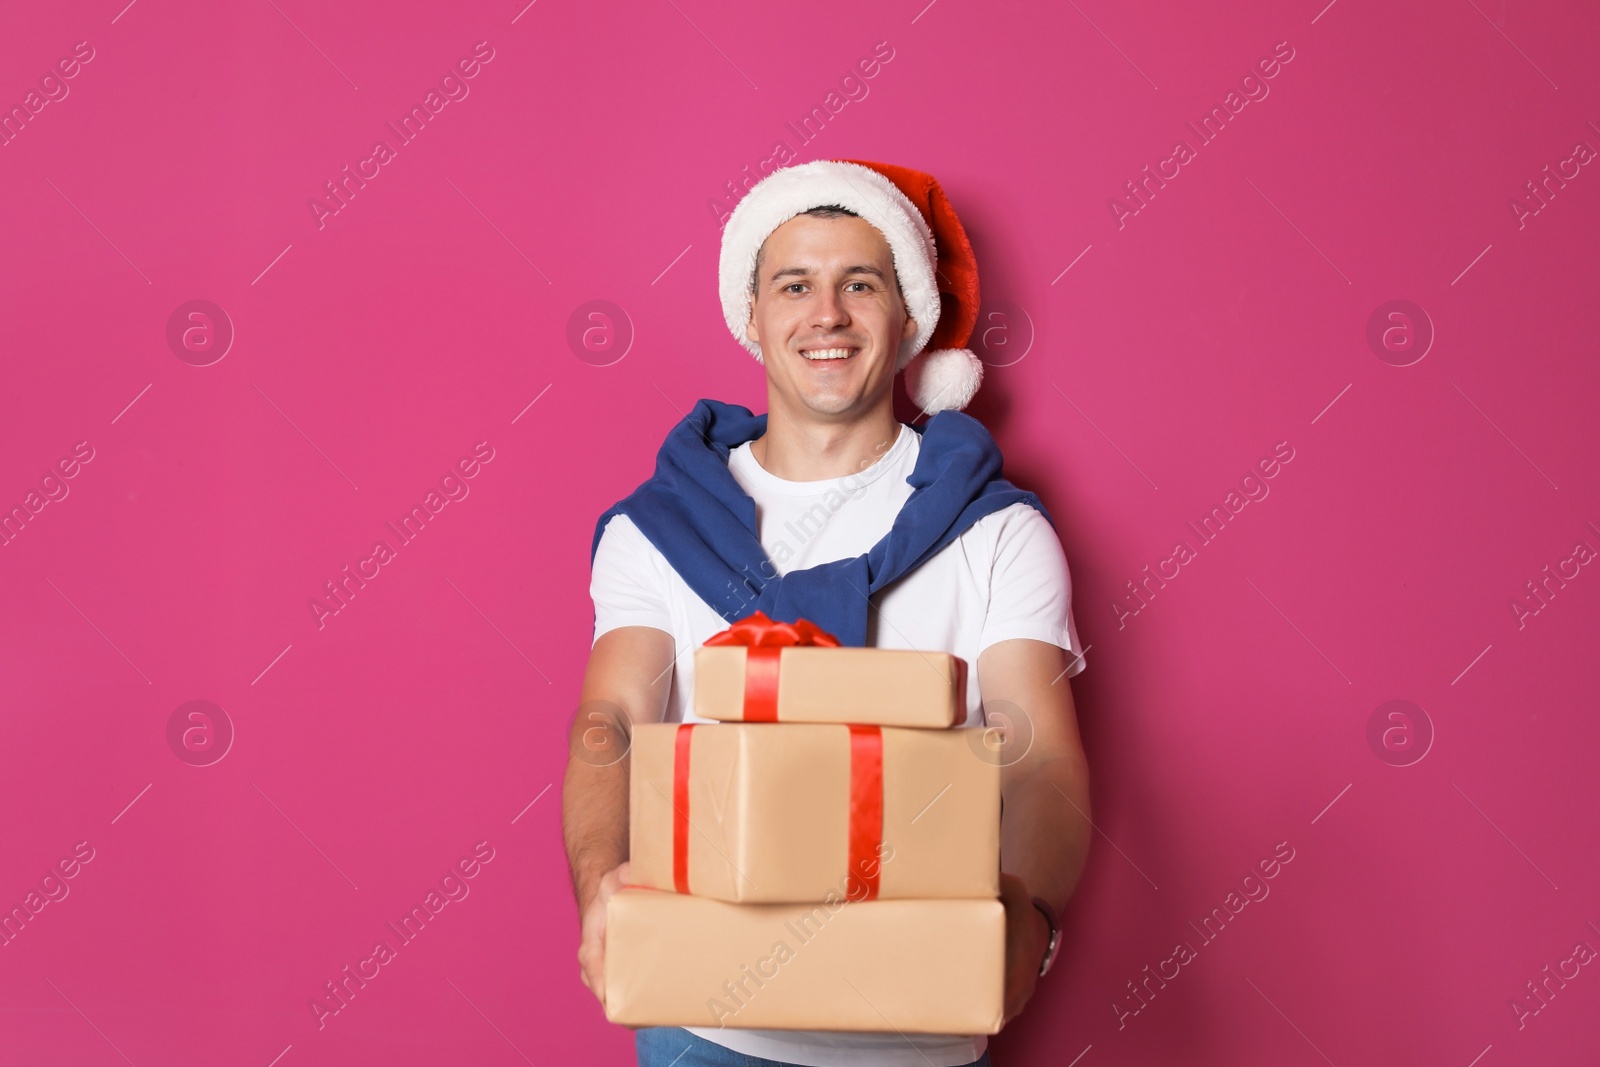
point(764, 641)
point(865, 821)
point(680, 807)
point(866, 811)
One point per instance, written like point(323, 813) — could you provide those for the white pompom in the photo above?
point(943, 379)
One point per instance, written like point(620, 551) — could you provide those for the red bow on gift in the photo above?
point(756, 630)
point(766, 639)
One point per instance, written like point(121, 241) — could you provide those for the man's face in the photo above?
point(828, 314)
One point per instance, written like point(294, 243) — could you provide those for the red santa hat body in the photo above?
point(930, 251)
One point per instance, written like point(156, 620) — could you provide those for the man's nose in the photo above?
point(829, 310)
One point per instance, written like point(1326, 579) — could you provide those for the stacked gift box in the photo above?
point(826, 856)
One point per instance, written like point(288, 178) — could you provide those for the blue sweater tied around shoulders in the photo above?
point(694, 512)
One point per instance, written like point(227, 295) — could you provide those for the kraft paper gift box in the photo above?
point(916, 966)
point(763, 671)
point(788, 812)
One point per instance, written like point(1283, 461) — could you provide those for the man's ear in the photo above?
point(750, 327)
point(909, 330)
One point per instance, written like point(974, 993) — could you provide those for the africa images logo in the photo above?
point(1141, 190)
point(453, 87)
point(453, 887)
point(453, 486)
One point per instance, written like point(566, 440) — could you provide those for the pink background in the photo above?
point(1229, 314)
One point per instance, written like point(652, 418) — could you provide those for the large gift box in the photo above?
point(916, 966)
point(764, 671)
point(787, 813)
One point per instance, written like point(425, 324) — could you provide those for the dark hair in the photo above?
point(826, 211)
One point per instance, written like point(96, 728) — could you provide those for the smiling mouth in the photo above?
point(820, 354)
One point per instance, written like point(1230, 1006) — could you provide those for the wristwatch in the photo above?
point(1054, 945)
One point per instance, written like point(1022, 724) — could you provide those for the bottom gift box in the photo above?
point(917, 966)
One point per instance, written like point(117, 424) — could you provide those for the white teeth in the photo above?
point(829, 353)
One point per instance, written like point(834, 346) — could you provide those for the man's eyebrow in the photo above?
point(806, 272)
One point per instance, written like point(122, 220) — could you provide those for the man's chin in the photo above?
point(833, 396)
point(832, 404)
point(828, 404)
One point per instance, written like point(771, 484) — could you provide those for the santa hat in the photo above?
point(930, 250)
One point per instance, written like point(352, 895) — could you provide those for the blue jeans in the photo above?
point(673, 1046)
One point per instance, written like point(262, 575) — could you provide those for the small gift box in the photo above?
point(916, 966)
point(792, 812)
point(759, 670)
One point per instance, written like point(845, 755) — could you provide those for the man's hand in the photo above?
point(592, 944)
point(1027, 936)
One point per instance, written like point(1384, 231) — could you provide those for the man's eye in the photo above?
point(793, 285)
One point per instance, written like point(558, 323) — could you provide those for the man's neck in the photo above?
point(811, 451)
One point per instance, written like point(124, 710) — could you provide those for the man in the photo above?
point(828, 508)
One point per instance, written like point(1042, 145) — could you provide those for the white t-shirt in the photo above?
point(1004, 577)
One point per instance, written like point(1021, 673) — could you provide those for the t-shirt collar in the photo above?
point(750, 472)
